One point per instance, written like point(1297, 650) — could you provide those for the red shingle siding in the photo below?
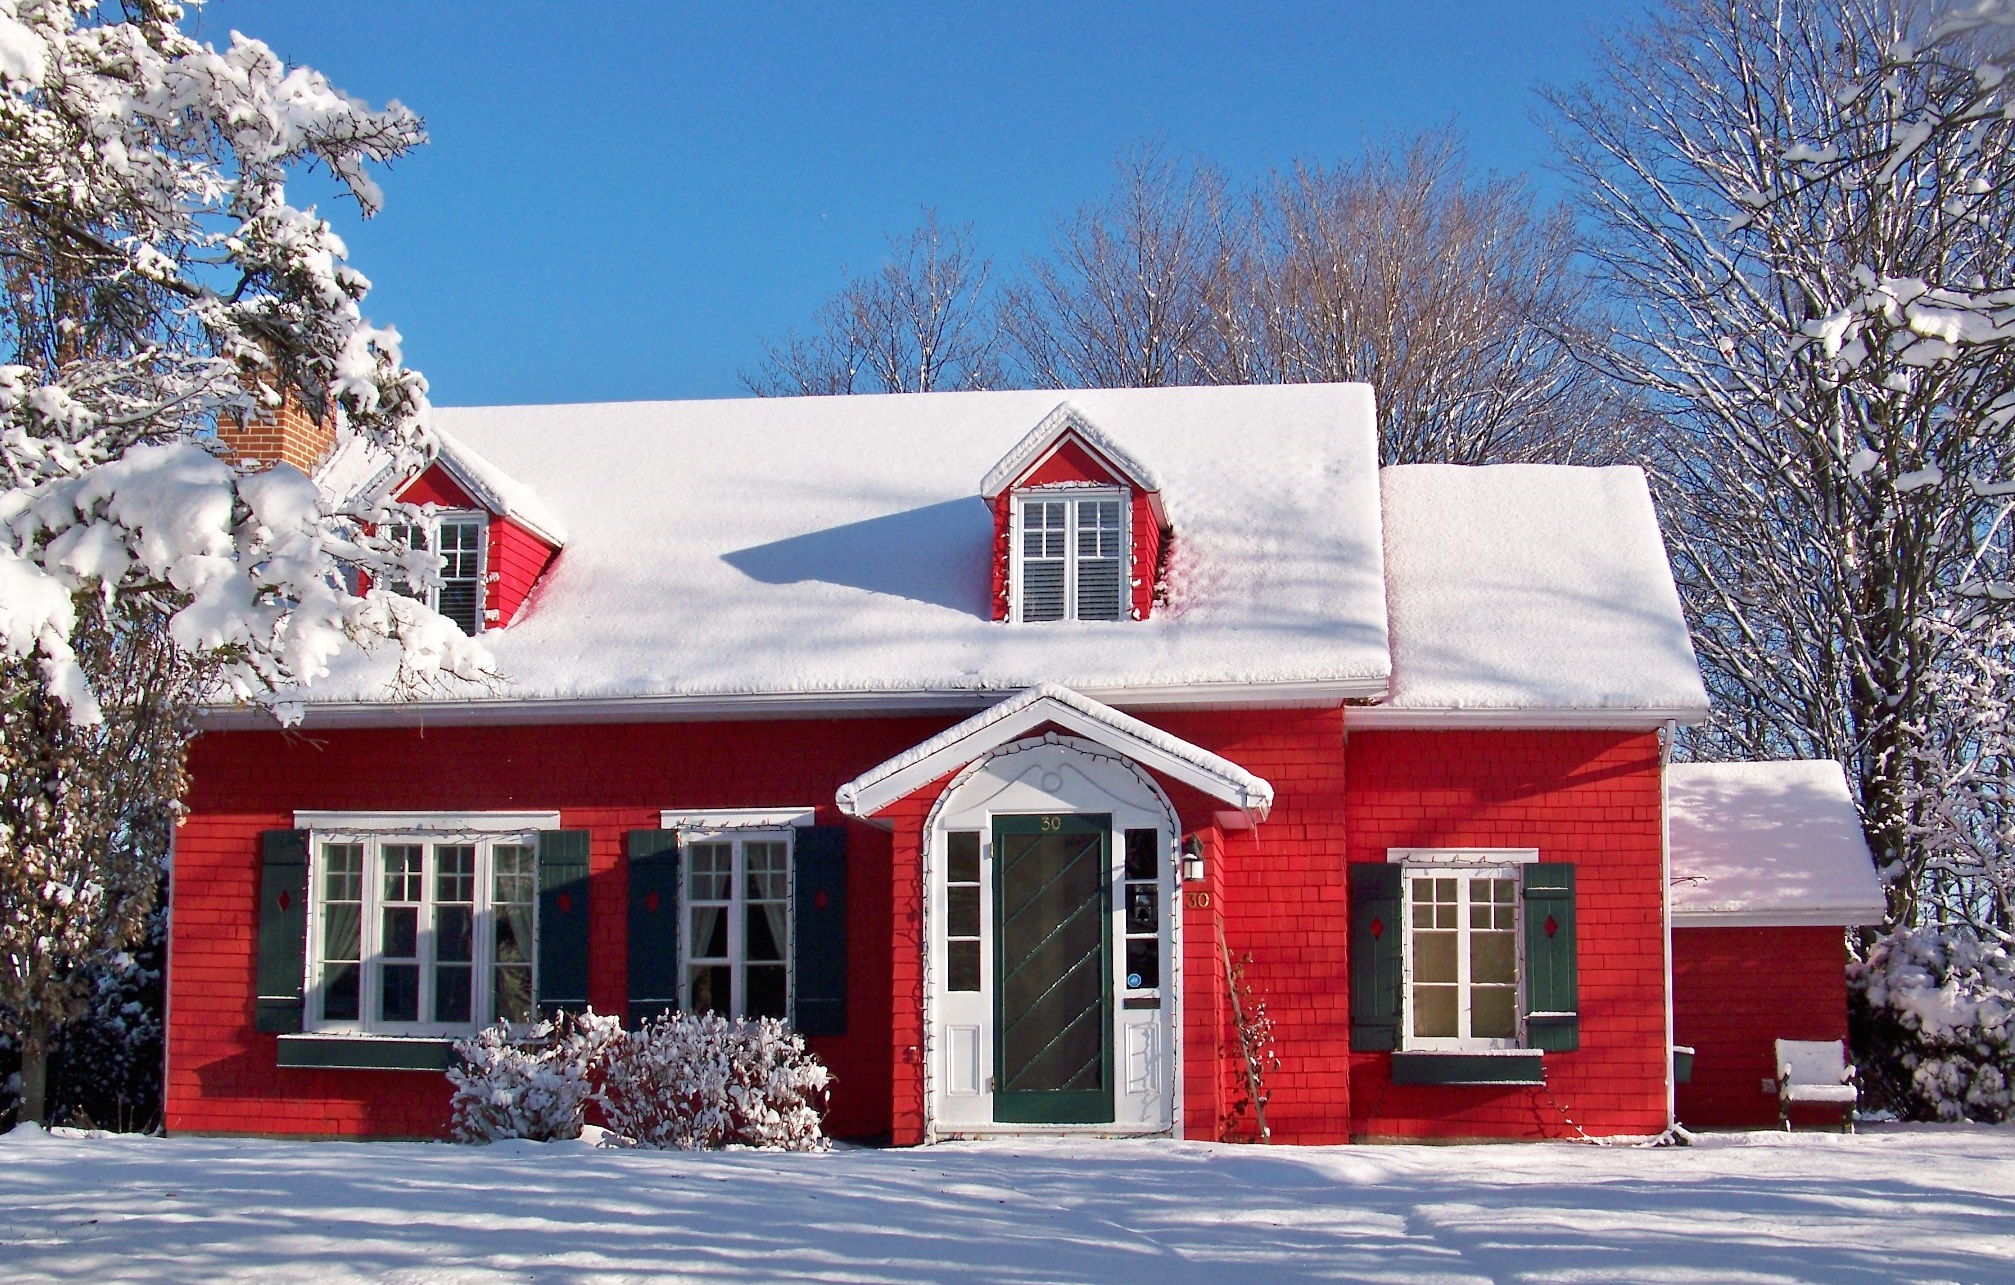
point(608, 779)
point(517, 559)
point(1591, 798)
point(1735, 992)
point(1003, 572)
point(1146, 555)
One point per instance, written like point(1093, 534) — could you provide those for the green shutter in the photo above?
point(1552, 987)
point(819, 933)
point(563, 921)
point(283, 929)
point(654, 924)
point(1376, 955)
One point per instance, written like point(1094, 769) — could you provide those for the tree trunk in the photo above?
point(35, 1072)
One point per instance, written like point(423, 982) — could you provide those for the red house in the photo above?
point(976, 735)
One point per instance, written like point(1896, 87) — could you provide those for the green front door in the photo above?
point(1053, 969)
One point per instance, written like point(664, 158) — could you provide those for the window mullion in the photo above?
point(368, 965)
point(1071, 511)
point(1464, 925)
point(738, 962)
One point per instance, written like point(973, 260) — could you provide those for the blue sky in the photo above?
point(620, 203)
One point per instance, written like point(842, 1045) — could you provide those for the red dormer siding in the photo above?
point(1070, 463)
point(435, 487)
point(517, 560)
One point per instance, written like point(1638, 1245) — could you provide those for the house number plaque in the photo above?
point(1196, 900)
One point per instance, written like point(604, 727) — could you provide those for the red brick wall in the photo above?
point(1735, 992)
point(608, 779)
point(1591, 798)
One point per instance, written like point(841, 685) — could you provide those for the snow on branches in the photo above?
point(159, 280)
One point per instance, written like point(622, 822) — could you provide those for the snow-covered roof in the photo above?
point(830, 553)
point(1018, 715)
point(1065, 421)
point(1766, 844)
point(1530, 593)
point(358, 468)
point(498, 491)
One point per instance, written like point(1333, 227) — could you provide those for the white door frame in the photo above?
point(1050, 773)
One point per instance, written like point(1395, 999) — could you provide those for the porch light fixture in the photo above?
point(1192, 859)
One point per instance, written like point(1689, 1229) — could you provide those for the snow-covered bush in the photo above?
point(1937, 1016)
point(692, 1081)
point(532, 1085)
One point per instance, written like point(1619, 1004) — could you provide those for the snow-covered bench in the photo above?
point(1816, 1072)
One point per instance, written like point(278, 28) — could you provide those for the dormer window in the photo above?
point(1079, 529)
point(1073, 555)
point(458, 538)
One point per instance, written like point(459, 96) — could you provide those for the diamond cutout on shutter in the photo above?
point(1551, 926)
point(564, 902)
point(651, 902)
point(1377, 927)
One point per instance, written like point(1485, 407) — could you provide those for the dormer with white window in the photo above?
point(1079, 529)
point(493, 534)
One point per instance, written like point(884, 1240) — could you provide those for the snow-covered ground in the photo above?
point(1895, 1204)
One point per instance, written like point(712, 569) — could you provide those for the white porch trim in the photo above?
point(1016, 717)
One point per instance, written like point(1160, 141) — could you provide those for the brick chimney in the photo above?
point(287, 433)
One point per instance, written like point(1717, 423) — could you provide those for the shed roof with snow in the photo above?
point(1768, 844)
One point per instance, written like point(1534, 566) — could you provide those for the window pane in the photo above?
point(763, 932)
point(1143, 854)
point(1493, 1012)
point(454, 872)
point(1098, 589)
point(343, 871)
point(1434, 1012)
point(454, 934)
point(1142, 908)
point(1434, 957)
point(766, 983)
point(340, 992)
point(514, 935)
point(768, 869)
point(514, 993)
point(710, 933)
point(399, 992)
point(401, 936)
point(709, 988)
point(1493, 958)
point(1143, 963)
point(452, 993)
point(402, 872)
point(962, 911)
point(962, 856)
point(962, 966)
point(514, 873)
point(342, 931)
point(710, 871)
point(1042, 591)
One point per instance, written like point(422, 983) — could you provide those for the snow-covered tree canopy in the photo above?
point(158, 279)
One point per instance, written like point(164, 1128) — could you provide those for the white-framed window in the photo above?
point(1463, 962)
point(1071, 554)
point(737, 943)
point(459, 536)
point(421, 934)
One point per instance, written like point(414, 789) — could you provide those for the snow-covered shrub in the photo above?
point(1936, 1012)
point(692, 1081)
point(532, 1085)
point(776, 1088)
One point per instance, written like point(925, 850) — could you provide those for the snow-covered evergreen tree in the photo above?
point(157, 278)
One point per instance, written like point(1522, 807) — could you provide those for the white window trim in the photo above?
point(716, 819)
point(1471, 863)
point(482, 964)
point(1462, 856)
point(431, 822)
point(738, 902)
point(1070, 491)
